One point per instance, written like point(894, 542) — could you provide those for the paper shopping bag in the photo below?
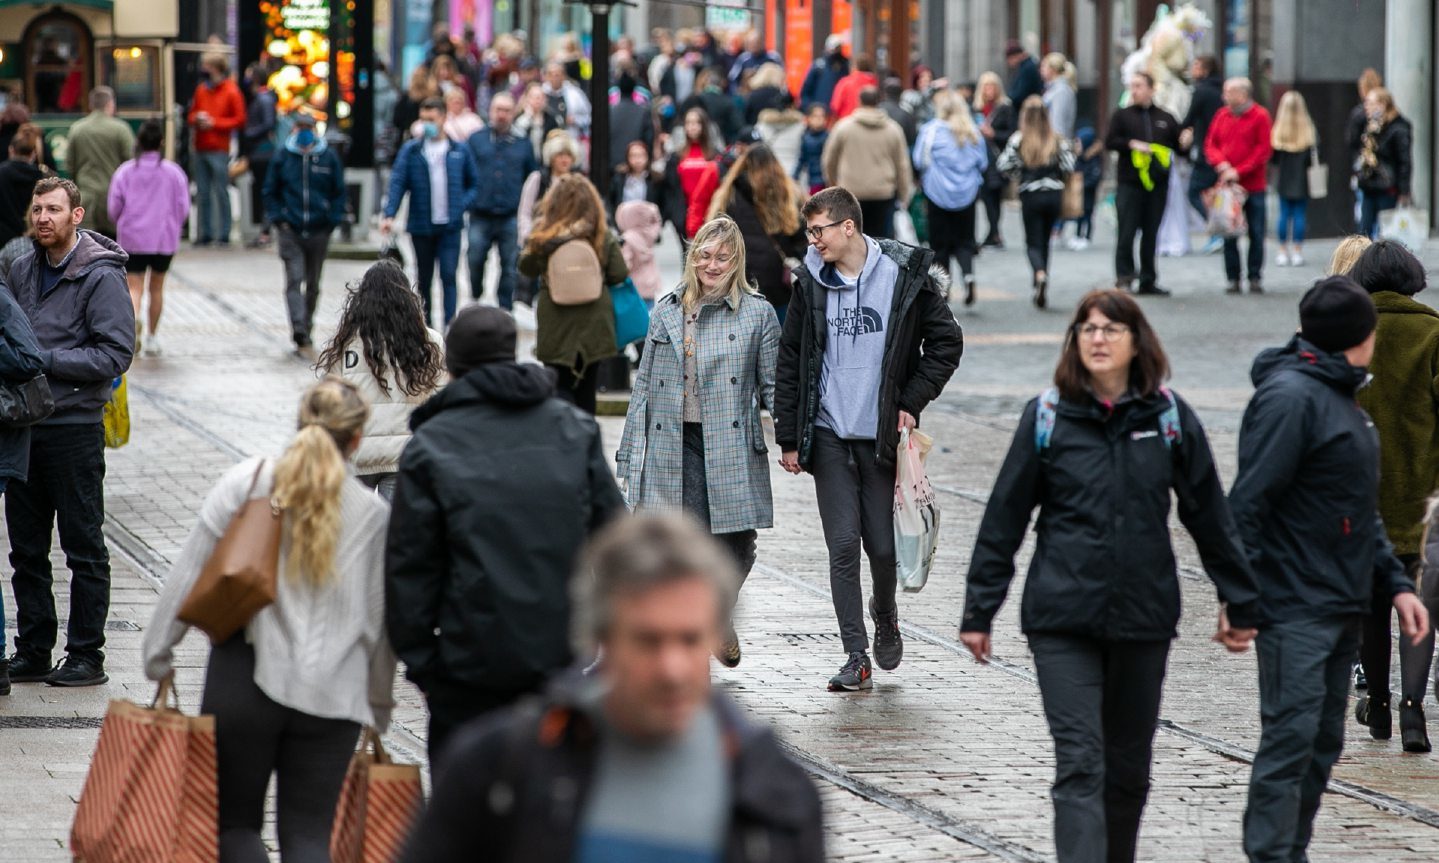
point(151, 795)
point(379, 803)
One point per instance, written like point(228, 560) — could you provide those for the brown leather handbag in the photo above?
point(239, 578)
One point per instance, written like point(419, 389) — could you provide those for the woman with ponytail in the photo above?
point(290, 692)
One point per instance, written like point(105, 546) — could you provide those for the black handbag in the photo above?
point(26, 404)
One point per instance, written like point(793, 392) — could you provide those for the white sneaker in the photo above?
point(1296, 260)
point(1281, 259)
point(152, 346)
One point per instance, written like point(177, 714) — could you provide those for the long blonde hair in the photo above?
point(722, 232)
point(571, 208)
point(1038, 143)
point(951, 109)
point(776, 198)
point(1293, 129)
point(310, 476)
point(989, 78)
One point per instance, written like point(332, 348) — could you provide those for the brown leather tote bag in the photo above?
point(239, 578)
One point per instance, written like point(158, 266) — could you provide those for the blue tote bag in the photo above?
point(632, 316)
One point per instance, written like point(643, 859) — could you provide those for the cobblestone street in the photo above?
point(944, 759)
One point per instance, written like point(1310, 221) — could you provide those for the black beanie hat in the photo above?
point(1336, 314)
point(479, 335)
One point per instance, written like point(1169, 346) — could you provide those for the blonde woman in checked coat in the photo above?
point(693, 440)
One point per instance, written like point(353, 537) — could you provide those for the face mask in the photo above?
point(432, 130)
point(305, 137)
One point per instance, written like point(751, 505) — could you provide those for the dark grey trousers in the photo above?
point(855, 494)
point(254, 738)
point(741, 544)
point(303, 257)
point(1303, 692)
point(1101, 699)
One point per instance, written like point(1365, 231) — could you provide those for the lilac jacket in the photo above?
point(149, 200)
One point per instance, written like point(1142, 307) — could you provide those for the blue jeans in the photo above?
point(1291, 219)
point(487, 231)
point(1254, 265)
point(1370, 207)
point(430, 248)
point(212, 189)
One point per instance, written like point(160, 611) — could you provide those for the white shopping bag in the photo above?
point(904, 227)
point(1407, 225)
point(916, 514)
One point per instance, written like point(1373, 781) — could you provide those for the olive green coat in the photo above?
point(1403, 400)
point(574, 337)
point(99, 145)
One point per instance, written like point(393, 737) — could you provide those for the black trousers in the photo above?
point(1303, 696)
point(579, 390)
point(993, 200)
point(951, 235)
point(1101, 699)
point(304, 259)
point(66, 484)
point(1376, 644)
point(454, 704)
point(1254, 214)
point(1041, 212)
point(1140, 212)
point(256, 738)
point(878, 218)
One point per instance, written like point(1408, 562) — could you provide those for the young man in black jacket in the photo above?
point(1143, 135)
point(499, 487)
point(1306, 501)
point(641, 760)
point(868, 342)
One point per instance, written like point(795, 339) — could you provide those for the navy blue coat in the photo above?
point(412, 174)
point(819, 82)
point(306, 190)
point(506, 161)
point(20, 361)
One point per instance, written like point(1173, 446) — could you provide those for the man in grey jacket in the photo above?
point(72, 288)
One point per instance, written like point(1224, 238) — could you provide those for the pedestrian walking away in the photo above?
point(384, 348)
point(290, 691)
point(1060, 100)
point(868, 343)
point(866, 153)
point(99, 143)
point(1305, 501)
point(1101, 600)
point(505, 161)
point(305, 201)
point(483, 540)
point(1295, 151)
point(1238, 146)
point(950, 156)
point(693, 440)
point(217, 111)
point(71, 286)
point(1400, 398)
point(654, 763)
point(1039, 160)
point(149, 201)
point(1145, 137)
point(442, 180)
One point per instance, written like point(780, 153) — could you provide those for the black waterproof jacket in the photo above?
point(513, 788)
point(1152, 125)
point(498, 488)
point(1103, 566)
point(1307, 494)
point(921, 351)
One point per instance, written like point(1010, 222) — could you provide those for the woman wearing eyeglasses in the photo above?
point(1098, 455)
point(693, 439)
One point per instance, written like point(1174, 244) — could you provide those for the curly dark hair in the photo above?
point(385, 314)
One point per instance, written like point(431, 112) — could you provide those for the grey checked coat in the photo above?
point(737, 347)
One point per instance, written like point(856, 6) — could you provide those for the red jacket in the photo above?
point(226, 108)
point(1242, 140)
point(846, 94)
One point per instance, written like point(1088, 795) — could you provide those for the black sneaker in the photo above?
point(888, 644)
point(1152, 291)
point(30, 668)
point(854, 676)
point(77, 671)
point(4, 676)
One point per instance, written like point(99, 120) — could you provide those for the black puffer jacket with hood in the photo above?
point(498, 488)
point(84, 325)
point(1104, 566)
point(1307, 495)
point(922, 347)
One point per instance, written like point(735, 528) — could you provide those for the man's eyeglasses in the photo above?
point(818, 230)
point(1110, 332)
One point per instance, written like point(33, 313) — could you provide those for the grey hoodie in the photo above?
point(856, 318)
point(84, 325)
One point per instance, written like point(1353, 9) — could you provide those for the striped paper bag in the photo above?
point(378, 805)
point(151, 795)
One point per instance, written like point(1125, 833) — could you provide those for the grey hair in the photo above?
point(638, 554)
point(1241, 81)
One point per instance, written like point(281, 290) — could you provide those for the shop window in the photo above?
point(133, 72)
point(58, 68)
